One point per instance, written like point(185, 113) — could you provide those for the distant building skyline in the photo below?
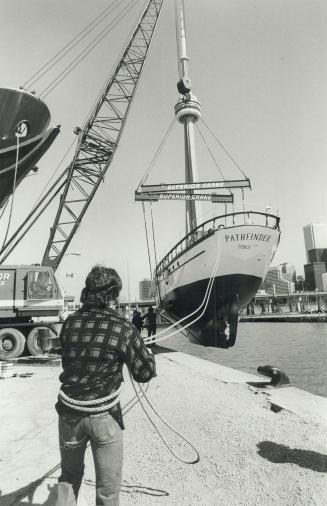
point(275, 282)
point(288, 271)
point(146, 289)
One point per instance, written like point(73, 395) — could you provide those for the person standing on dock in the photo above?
point(96, 342)
point(151, 321)
point(137, 320)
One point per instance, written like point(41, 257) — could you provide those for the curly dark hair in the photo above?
point(102, 285)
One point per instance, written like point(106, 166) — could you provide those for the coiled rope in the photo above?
point(91, 405)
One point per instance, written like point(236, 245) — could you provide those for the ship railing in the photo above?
point(208, 227)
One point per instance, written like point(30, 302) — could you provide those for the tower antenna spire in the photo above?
point(188, 112)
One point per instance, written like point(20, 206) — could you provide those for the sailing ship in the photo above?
point(24, 137)
point(215, 270)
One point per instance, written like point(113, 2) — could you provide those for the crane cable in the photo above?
point(147, 240)
point(4, 209)
point(86, 51)
point(70, 45)
point(224, 149)
point(18, 135)
point(143, 179)
point(157, 153)
point(153, 236)
point(210, 152)
point(54, 173)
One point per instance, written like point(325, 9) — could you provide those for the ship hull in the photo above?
point(209, 282)
point(29, 153)
point(24, 137)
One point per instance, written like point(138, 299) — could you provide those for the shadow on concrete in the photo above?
point(259, 384)
point(161, 349)
point(138, 489)
point(281, 454)
point(25, 496)
point(126, 488)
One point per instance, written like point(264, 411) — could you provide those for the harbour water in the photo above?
point(299, 349)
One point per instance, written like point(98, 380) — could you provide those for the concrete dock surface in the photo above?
point(250, 455)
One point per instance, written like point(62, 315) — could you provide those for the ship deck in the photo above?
point(250, 454)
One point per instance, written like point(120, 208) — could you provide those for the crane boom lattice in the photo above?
point(99, 138)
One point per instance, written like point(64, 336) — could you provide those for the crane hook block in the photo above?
point(184, 86)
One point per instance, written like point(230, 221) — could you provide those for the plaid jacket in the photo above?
point(95, 345)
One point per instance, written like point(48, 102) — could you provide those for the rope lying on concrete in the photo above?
point(197, 458)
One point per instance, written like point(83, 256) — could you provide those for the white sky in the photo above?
point(259, 69)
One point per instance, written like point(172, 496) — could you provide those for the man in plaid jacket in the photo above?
point(96, 342)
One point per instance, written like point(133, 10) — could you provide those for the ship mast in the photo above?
point(187, 111)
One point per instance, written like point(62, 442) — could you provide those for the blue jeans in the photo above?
point(106, 438)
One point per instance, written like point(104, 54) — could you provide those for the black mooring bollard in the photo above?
point(278, 377)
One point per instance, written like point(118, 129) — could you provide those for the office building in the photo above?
point(288, 272)
point(315, 240)
point(324, 281)
point(147, 289)
point(318, 255)
point(276, 284)
point(313, 275)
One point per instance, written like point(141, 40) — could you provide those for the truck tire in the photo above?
point(33, 344)
point(12, 344)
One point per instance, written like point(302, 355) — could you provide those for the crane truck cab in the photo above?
point(30, 299)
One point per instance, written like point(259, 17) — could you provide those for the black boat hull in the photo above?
point(29, 153)
point(24, 136)
point(229, 294)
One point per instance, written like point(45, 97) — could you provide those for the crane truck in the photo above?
point(30, 300)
